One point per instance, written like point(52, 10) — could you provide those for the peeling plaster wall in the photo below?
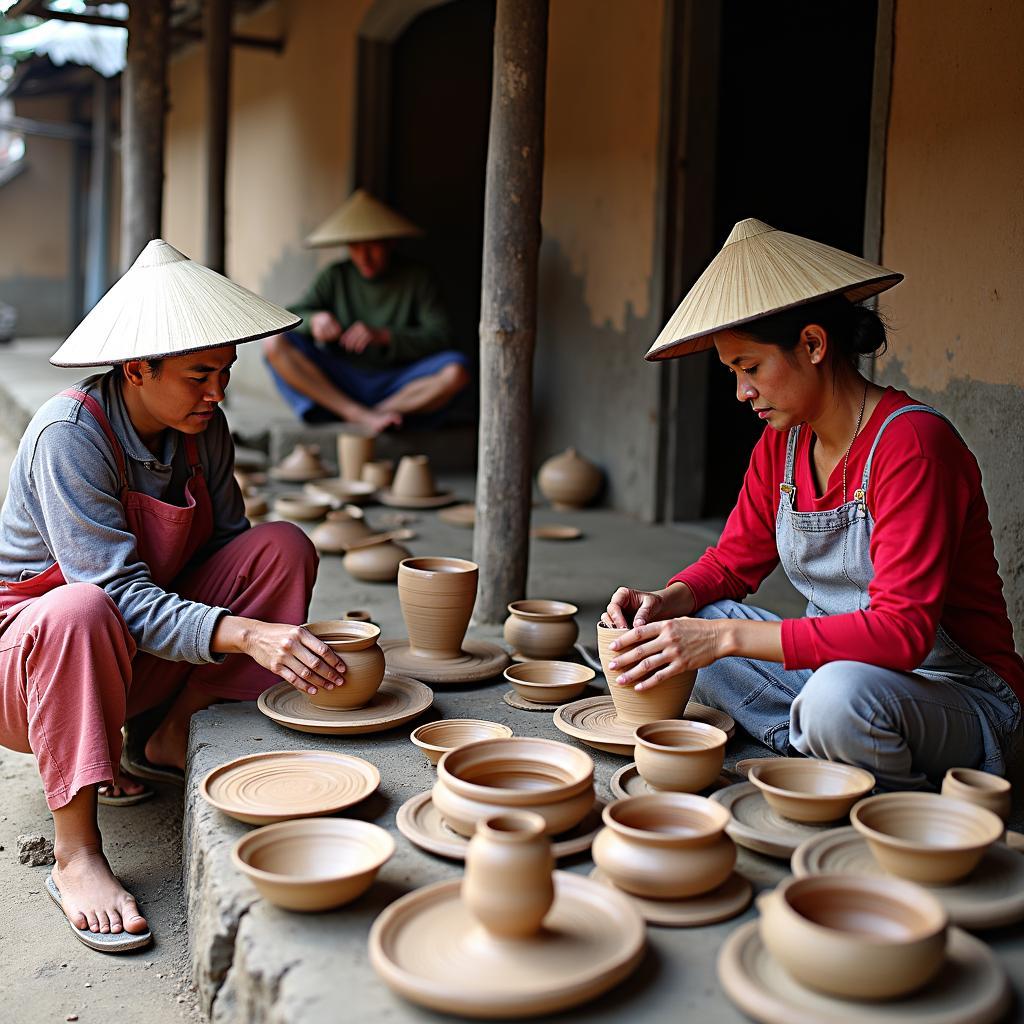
point(954, 224)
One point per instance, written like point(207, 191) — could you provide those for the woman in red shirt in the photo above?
point(904, 663)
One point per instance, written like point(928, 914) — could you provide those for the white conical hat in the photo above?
point(759, 271)
point(361, 218)
point(166, 305)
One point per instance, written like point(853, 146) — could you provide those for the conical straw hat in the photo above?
point(759, 271)
point(166, 305)
point(361, 218)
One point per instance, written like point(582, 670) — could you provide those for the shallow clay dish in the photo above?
point(388, 497)
point(555, 532)
point(549, 682)
point(459, 515)
point(479, 660)
point(300, 507)
point(428, 947)
point(806, 789)
point(260, 789)
point(340, 492)
point(436, 738)
point(313, 864)
point(397, 701)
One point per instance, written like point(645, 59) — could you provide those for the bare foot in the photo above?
point(167, 747)
point(378, 421)
point(92, 896)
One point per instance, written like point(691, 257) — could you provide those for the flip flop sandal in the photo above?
point(122, 942)
point(122, 799)
point(142, 769)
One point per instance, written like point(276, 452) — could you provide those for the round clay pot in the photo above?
point(806, 789)
point(981, 788)
point(437, 597)
point(508, 884)
point(379, 474)
point(413, 478)
point(666, 700)
point(665, 846)
point(378, 563)
point(855, 937)
point(477, 780)
point(549, 682)
point(356, 642)
point(542, 630)
point(435, 739)
point(568, 480)
point(679, 756)
point(300, 507)
point(339, 529)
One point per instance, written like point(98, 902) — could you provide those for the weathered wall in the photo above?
point(954, 224)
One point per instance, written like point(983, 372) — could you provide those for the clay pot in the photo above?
point(355, 448)
point(924, 836)
point(378, 474)
point(313, 863)
point(855, 937)
point(413, 478)
point(378, 563)
point(437, 597)
point(331, 536)
point(303, 461)
point(568, 480)
point(549, 682)
point(340, 492)
point(358, 615)
point(542, 630)
point(683, 757)
point(508, 885)
point(300, 507)
point(356, 642)
point(806, 789)
point(435, 739)
point(665, 846)
point(666, 700)
point(981, 788)
point(489, 777)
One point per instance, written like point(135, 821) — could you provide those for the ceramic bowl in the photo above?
point(541, 629)
point(926, 837)
point(805, 789)
point(437, 738)
point(299, 506)
point(313, 863)
point(855, 937)
point(549, 682)
point(378, 563)
point(680, 756)
point(981, 788)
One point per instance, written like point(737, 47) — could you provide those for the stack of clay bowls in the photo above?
point(356, 643)
point(300, 464)
point(435, 739)
point(810, 790)
point(679, 756)
point(549, 682)
point(569, 481)
point(541, 630)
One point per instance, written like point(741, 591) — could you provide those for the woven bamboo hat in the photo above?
point(166, 305)
point(760, 271)
point(362, 218)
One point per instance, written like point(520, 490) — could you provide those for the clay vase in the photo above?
point(378, 563)
point(339, 529)
point(355, 448)
point(302, 461)
point(379, 473)
point(508, 885)
point(437, 597)
point(413, 478)
point(356, 642)
point(666, 700)
point(569, 480)
point(541, 630)
point(981, 788)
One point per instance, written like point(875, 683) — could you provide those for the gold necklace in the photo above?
point(856, 431)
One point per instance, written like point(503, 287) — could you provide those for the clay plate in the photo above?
point(991, 896)
point(479, 660)
point(628, 781)
point(388, 497)
point(399, 700)
point(260, 789)
point(421, 823)
point(429, 948)
point(555, 532)
point(459, 515)
point(970, 989)
point(806, 789)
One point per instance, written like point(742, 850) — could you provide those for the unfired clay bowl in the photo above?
point(313, 863)
point(926, 837)
point(436, 738)
point(806, 789)
point(853, 936)
point(549, 682)
point(543, 630)
point(299, 506)
point(378, 564)
point(680, 756)
point(981, 788)
point(356, 643)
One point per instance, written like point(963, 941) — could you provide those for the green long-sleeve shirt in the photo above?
point(405, 299)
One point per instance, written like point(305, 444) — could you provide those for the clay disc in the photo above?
point(388, 497)
point(991, 896)
point(732, 897)
point(628, 781)
point(421, 823)
point(459, 515)
point(428, 947)
point(970, 989)
point(479, 660)
point(399, 700)
point(263, 788)
point(757, 827)
point(555, 532)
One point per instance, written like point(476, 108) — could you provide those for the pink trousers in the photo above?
point(70, 675)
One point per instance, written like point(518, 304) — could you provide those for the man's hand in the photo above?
point(324, 327)
point(359, 337)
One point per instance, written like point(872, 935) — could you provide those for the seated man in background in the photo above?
point(374, 343)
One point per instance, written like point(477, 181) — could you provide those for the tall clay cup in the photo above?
point(354, 450)
point(508, 885)
point(981, 788)
point(356, 642)
point(665, 700)
point(437, 597)
point(414, 478)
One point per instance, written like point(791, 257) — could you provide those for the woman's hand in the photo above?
point(660, 650)
point(630, 607)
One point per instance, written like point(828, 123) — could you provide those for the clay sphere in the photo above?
point(549, 682)
point(806, 789)
point(378, 563)
point(437, 597)
point(981, 788)
point(435, 739)
point(680, 756)
point(414, 478)
point(542, 630)
point(569, 481)
point(356, 642)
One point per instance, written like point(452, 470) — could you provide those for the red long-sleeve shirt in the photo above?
point(931, 548)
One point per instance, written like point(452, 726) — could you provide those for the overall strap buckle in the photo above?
point(860, 496)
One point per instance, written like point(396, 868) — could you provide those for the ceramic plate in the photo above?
point(399, 700)
point(628, 781)
point(434, 501)
point(263, 788)
point(459, 515)
point(479, 660)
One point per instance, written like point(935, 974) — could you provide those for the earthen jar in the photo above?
point(337, 530)
point(437, 597)
point(981, 788)
point(508, 885)
point(665, 846)
point(541, 630)
point(378, 563)
point(355, 449)
point(679, 756)
point(379, 473)
point(569, 480)
point(356, 642)
point(413, 478)
point(667, 699)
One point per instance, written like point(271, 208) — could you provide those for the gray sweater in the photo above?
point(62, 505)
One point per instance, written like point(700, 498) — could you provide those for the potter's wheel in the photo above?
point(479, 660)
point(428, 947)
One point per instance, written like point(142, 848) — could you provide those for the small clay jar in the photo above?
point(568, 480)
point(981, 788)
point(377, 563)
point(379, 473)
point(541, 630)
point(508, 885)
point(356, 642)
point(339, 529)
point(679, 756)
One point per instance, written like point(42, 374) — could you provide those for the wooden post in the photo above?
point(143, 105)
point(508, 311)
point(217, 33)
point(97, 246)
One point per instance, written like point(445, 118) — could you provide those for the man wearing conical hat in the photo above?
point(375, 342)
point(904, 663)
point(129, 575)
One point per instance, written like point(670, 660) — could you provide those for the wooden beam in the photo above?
point(217, 53)
point(508, 313)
